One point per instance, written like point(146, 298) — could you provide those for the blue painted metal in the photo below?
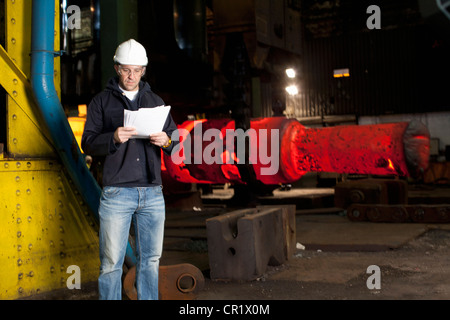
point(42, 82)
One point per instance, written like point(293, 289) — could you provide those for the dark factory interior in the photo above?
point(311, 160)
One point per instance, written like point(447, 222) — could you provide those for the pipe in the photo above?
point(42, 83)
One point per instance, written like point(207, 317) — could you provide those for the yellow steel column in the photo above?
point(46, 227)
point(26, 137)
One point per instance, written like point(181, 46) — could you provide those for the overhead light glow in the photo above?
point(292, 90)
point(290, 73)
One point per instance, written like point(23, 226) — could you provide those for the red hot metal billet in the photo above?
point(281, 150)
point(382, 149)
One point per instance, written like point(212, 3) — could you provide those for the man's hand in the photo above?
point(123, 134)
point(159, 139)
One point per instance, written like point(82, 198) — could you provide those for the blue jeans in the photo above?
point(118, 207)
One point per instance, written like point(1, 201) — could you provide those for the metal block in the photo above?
point(397, 191)
point(289, 227)
point(370, 191)
point(242, 243)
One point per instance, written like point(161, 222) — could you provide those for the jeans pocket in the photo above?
point(156, 191)
point(111, 192)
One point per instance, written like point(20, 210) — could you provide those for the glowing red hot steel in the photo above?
point(281, 150)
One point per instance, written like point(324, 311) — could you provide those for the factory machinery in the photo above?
point(49, 198)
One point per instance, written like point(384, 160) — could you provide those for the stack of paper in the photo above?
point(146, 120)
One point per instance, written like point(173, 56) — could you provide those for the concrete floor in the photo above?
point(413, 258)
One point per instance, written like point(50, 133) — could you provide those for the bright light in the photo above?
point(290, 73)
point(292, 90)
point(82, 110)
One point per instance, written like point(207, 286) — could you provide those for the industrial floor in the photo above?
point(413, 258)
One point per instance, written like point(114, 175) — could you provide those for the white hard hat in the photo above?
point(132, 53)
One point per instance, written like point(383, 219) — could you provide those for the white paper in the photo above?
point(146, 120)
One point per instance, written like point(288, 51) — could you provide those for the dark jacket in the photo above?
point(135, 163)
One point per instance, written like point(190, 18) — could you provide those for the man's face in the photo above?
point(129, 76)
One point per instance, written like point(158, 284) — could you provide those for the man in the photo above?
point(132, 189)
